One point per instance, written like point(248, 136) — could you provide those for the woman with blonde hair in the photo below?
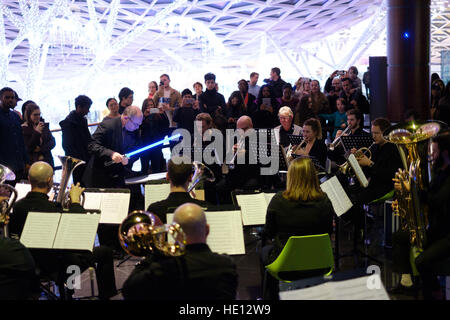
point(302, 209)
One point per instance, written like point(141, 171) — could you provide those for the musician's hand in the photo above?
point(343, 126)
point(75, 193)
point(353, 150)
point(400, 181)
point(231, 120)
point(117, 157)
point(364, 161)
point(301, 152)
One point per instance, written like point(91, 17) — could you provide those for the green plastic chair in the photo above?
point(304, 256)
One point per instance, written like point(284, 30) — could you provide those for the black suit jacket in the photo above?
point(199, 274)
point(107, 139)
point(174, 200)
point(18, 279)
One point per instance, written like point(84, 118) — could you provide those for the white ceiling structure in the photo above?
point(45, 39)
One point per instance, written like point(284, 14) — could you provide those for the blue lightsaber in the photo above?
point(130, 154)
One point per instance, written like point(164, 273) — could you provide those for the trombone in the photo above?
point(338, 140)
point(293, 149)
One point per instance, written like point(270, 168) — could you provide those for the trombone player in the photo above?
point(355, 123)
point(437, 248)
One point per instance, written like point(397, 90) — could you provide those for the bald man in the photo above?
point(50, 262)
point(244, 176)
point(205, 275)
point(40, 176)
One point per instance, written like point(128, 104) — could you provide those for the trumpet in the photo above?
point(338, 140)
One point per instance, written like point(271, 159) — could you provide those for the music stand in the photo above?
point(295, 140)
point(356, 142)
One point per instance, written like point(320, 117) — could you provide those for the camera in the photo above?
point(341, 73)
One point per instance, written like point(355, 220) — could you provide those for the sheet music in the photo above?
point(93, 200)
point(226, 234)
point(353, 289)
point(76, 231)
point(335, 192)
point(253, 208)
point(156, 192)
point(40, 229)
point(268, 197)
point(114, 207)
point(22, 190)
point(358, 171)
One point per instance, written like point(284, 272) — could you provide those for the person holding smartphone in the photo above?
point(185, 114)
point(39, 141)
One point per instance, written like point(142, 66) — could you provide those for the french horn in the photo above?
point(142, 233)
point(8, 196)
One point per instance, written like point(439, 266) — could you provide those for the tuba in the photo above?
point(142, 233)
point(68, 165)
point(8, 196)
point(412, 140)
point(201, 173)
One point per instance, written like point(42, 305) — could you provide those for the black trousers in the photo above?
point(54, 264)
point(436, 252)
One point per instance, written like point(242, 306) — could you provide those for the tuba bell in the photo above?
point(68, 165)
point(412, 140)
point(142, 233)
point(8, 196)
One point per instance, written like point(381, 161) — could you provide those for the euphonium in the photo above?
point(412, 140)
point(8, 196)
point(68, 165)
point(201, 173)
point(143, 233)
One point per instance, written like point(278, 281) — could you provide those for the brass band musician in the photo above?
point(437, 248)
point(312, 145)
point(380, 170)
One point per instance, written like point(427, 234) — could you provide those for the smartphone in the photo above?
point(341, 73)
point(267, 101)
point(154, 110)
point(189, 101)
